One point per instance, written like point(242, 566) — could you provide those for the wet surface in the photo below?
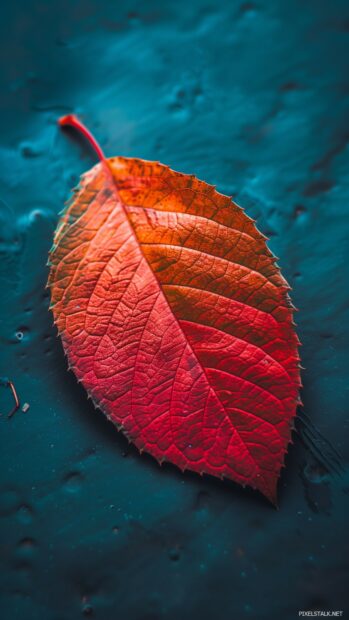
point(253, 97)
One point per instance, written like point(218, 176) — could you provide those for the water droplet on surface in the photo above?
point(26, 547)
point(315, 473)
point(174, 554)
point(72, 482)
point(25, 514)
point(28, 150)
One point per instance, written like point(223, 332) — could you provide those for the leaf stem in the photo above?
point(70, 120)
point(7, 383)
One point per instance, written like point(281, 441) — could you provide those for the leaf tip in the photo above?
point(67, 119)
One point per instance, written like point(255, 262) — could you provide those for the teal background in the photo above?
point(250, 96)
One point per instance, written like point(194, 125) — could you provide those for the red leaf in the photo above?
point(175, 318)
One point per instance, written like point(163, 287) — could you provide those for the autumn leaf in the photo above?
point(176, 319)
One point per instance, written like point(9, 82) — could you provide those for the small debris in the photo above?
point(25, 407)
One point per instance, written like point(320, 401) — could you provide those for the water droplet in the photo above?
point(174, 554)
point(73, 482)
point(315, 473)
point(25, 514)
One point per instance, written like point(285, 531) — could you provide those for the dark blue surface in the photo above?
point(251, 96)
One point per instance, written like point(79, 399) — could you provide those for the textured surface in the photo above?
point(253, 97)
point(177, 321)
